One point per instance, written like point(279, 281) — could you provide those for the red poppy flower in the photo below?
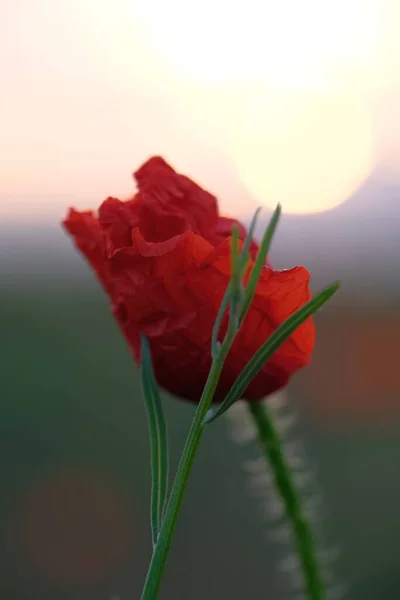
point(163, 258)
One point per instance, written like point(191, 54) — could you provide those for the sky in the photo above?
point(260, 102)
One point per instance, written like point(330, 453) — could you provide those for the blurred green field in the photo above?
point(71, 410)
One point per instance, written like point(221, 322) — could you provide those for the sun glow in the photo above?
point(305, 137)
point(307, 148)
point(220, 40)
point(288, 98)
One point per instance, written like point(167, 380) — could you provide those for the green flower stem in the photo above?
point(271, 445)
point(161, 549)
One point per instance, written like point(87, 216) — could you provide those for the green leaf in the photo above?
point(259, 263)
point(279, 336)
point(246, 245)
point(235, 295)
point(241, 262)
point(158, 441)
point(215, 344)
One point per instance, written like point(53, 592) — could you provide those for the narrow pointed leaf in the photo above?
point(259, 262)
point(215, 344)
point(235, 278)
point(242, 262)
point(158, 441)
point(279, 336)
point(249, 238)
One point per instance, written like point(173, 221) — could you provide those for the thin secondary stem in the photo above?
point(303, 537)
point(161, 549)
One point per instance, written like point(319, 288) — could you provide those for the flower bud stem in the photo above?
point(161, 548)
point(273, 450)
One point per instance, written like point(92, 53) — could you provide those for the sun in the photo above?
point(297, 127)
point(303, 139)
point(307, 147)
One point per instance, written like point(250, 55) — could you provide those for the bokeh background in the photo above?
point(290, 101)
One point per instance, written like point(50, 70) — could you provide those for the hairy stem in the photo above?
point(273, 450)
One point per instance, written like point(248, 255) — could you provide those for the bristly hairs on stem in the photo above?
point(261, 486)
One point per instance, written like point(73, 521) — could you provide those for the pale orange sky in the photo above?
point(91, 88)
